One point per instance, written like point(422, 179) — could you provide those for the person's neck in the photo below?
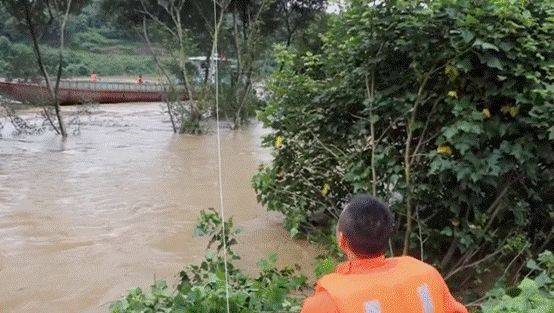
point(350, 256)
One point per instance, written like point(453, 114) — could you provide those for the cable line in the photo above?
point(219, 168)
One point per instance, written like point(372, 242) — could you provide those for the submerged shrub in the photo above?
point(202, 287)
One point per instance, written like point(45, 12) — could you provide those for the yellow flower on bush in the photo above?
point(444, 149)
point(451, 72)
point(325, 190)
point(487, 113)
point(453, 94)
point(510, 109)
point(279, 140)
point(514, 111)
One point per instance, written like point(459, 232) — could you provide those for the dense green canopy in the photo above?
point(442, 108)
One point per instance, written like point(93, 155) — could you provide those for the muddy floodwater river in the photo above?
point(85, 219)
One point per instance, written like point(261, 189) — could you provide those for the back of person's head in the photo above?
point(367, 224)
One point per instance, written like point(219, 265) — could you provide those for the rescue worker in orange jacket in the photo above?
point(370, 283)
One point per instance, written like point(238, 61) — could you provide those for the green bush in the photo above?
point(116, 64)
point(442, 108)
point(202, 287)
point(17, 61)
point(76, 62)
point(5, 47)
point(5, 44)
point(96, 41)
point(91, 40)
point(532, 295)
point(77, 70)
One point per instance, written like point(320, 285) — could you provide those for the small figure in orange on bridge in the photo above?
point(93, 77)
point(140, 80)
point(370, 283)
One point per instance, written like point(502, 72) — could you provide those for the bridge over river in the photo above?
point(78, 91)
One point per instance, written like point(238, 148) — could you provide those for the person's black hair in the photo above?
point(367, 224)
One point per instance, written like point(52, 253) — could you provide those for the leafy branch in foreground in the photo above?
point(533, 294)
point(202, 287)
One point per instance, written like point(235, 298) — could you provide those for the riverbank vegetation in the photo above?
point(443, 109)
point(232, 38)
point(202, 288)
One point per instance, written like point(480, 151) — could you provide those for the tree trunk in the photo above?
point(208, 66)
point(42, 68)
point(59, 74)
point(408, 164)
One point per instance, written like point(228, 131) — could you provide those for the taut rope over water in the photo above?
point(219, 169)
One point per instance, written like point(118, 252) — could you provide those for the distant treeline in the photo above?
point(95, 45)
point(18, 60)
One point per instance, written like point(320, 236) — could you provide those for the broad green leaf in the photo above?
point(494, 62)
point(467, 35)
point(485, 45)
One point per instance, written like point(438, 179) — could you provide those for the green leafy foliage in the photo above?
point(533, 295)
point(202, 287)
point(109, 64)
point(90, 38)
point(16, 59)
point(324, 266)
point(442, 108)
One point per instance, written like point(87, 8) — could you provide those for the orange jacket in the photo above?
point(379, 285)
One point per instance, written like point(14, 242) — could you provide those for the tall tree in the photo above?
point(292, 16)
point(181, 27)
point(197, 18)
point(245, 34)
point(37, 17)
point(247, 30)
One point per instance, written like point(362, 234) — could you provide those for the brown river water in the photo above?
point(85, 219)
